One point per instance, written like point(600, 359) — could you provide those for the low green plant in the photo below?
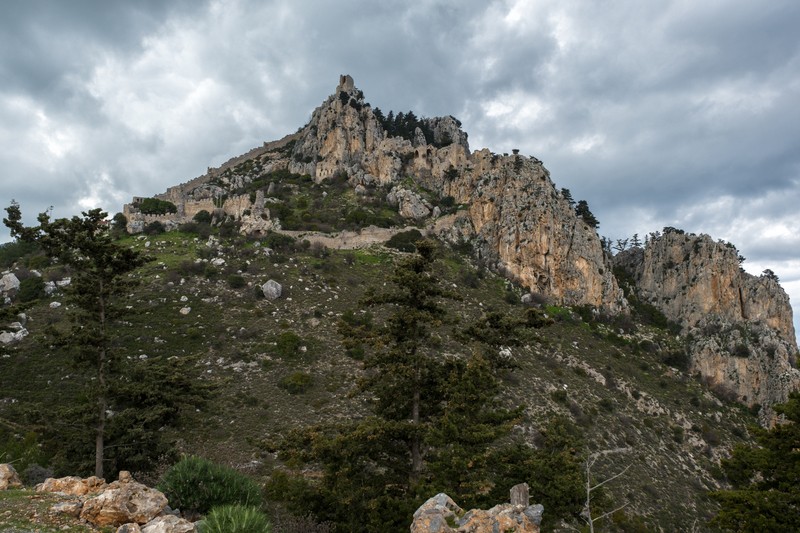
point(404, 241)
point(235, 519)
point(236, 281)
point(296, 382)
point(156, 206)
point(31, 289)
point(197, 485)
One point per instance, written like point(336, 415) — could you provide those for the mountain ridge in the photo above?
point(509, 211)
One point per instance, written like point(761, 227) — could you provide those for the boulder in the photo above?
point(67, 508)
point(72, 485)
point(409, 204)
point(272, 290)
point(504, 517)
point(129, 528)
point(9, 478)
point(433, 515)
point(123, 502)
point(7, 337)
point(168, 524)
point(9, 282)
point(441, 514)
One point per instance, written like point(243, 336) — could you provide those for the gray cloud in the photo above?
point(669, 113)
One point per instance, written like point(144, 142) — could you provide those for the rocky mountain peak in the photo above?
point(740, 329)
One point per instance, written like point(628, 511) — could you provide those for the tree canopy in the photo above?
point(765, 478)
point(144, 397)
point(437, 422)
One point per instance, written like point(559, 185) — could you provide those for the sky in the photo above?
point(672, 113)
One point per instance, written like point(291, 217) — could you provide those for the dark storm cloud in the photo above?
point(658, 113)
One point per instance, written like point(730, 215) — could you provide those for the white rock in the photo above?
point(272, 290)
point(9, 282)
point(185, 310)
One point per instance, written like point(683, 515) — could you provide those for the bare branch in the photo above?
point(611, 478)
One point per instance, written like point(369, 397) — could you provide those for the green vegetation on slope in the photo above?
point(613, 380)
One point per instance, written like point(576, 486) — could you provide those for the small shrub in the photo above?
point(155, 206)
point(191, 268)
point(279, 242)
point(606, 405)
point(154, 228)
point(210, 272)
point(288, 344)
point(236, 519)
point(201, 230)
point(404, 241)
point(202, 217)
point(296, 383)
point(559, 396)
point(31, 289)
point(196, 485)
point(236, 281)
point(741, 350)
point(677, 359)
point(35, 474)
point(710, 435)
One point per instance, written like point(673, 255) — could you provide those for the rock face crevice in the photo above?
point(739, 326)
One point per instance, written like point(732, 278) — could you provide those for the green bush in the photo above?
point(236, 281)
point(404, 241)
point(154, 228)
point(296, 383)
point(154, 206)
point(278, 242)
point(11, 252)
point(202, 217)
point(202, 230)
point(196, 485)
point(235, 519)
point(31, 289)
point(288, 344)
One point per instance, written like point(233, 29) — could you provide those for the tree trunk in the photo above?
point(100, 437)
point(416, 455)
point(102, 399)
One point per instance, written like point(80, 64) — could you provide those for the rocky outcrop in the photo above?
point(161, 524)
point(124, 501)
point(739, 326)
point(515, 218)
point(441, 514)
point(121, 503)
point(72, 485)
point(9, 479)
point(519, 224)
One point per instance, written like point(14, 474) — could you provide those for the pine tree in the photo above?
point(437, 423)
point(144, 397)
point(582, 210)
point(402, 367)
point(765, 479)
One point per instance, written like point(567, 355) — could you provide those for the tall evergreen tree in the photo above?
point(582, 210)
point(402, 368)
point(765, 479)
point(144, 398)
point(437, 420)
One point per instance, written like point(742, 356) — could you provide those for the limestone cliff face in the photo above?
point(522, 226)
point(739, 325)
point(517, 221)
point(509, 209)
